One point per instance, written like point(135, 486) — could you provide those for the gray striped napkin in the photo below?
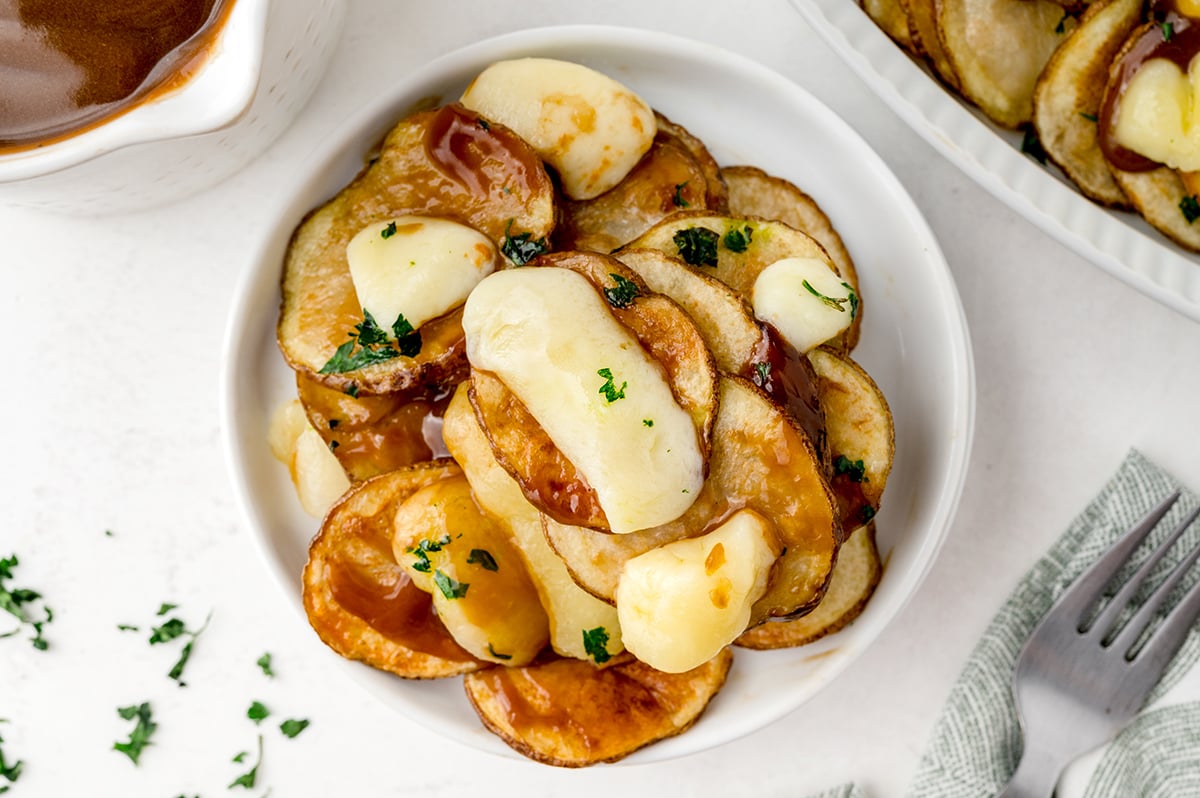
point(976, 742)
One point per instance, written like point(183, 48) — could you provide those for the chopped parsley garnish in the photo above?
point(248, 778)
point(333, 423)
point(352, 391)
point(408, 340)
point(610, 390)
point(678, 199)
point(422, 549)
point(834, 302)
point(867, 513)
point(854, 469)
point(739, 240)
point(483, 558)
point(1031, 145)
point(292, 727)
point(264, 662)
point(10, 772)
point(1190, 208)
point(388, 231)
point(1061, 27)
point(333, 445)
point(853, 298)
point(257, 712)
point(1089, 117)
point(483, 123)
point(697, 245)
point(762, 374)
point(647, 422)
point(497, 654)
point(451, 588)
point(16, 602)
point(595, 643)
point(1168, 30)
point(139, 738)
point(522, 248)
point(369, 345)
point(623, 294)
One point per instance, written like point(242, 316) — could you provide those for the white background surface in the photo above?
point(113, 330)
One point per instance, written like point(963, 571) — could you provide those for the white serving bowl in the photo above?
point(267, 58)
point(914, 343)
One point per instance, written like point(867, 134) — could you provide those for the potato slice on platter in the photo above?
point(371, 435)
point(360, 601)
point(855, 577)
point(677, 172)
point(549, 479)
point(1160, 196)
point(574, 615)
point(1069, 94)
point(859, 433)
point(753, 192)
point(761, 460)
point(571, 713)
point(998, 49)
point(445, 163)
point(893, 19)
point(923, 25)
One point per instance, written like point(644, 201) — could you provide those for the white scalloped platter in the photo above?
point(915, 343)
point(1119, 242)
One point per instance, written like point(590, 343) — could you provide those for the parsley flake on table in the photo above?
point(623, 294)
point(522, 247)
point(610, 390)
point(257, 712)
point(293, 727)
point(10, 772)
point(164, 608)
point(451, 588)
point(248, 778)
point(173, 629)
point(17, 601)
point(697, 245)
point(595, 644)
point(139, 738)
point(483, 558)
point(739, 240)
point(264, 662)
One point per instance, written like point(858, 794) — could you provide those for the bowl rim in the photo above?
point(213, 99)
point(255, 288)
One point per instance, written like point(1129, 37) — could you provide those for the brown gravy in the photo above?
point(66, 65)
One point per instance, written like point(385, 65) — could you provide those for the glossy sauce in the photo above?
point(66, 65)
point(460, 145)
point(791, 382)
point(546, 713)
point(1180, 48)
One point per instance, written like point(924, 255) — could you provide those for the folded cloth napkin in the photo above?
point(976, 742)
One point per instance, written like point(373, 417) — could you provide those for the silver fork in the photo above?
point(1079, 679)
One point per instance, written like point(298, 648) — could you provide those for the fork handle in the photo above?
point(1036, 775)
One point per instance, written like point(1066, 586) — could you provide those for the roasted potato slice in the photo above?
point(549, 480)
point(360, 601)
point(854, 580)
point(998, 49)
point(1070, 91)
point(677, 172)
point(859, 433)
point(572, 612)
point(761, 459)
point(753, 192)
point(372, 435)
point(923, 27)
point(571, 713)
point(442, 163)
point(893, 19)
point(1160, 196)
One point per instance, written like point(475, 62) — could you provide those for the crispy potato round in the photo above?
point(359, 600)
point(677, 172)
point(548, 479)
point(1069, 93)
point(923, 27)
point(761, 459)
point(571, 713)
point(753, 192)
point(893, 19)
point(441, 163)
point(854, 580)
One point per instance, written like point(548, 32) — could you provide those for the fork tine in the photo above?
point(1170, 634)
point(1106, 621)
point(1086, 589)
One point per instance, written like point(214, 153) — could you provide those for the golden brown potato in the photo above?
point(549, 480)
point(923, 27)
point(372, 435)
point(478, 174)
point(571, 713)
point(998, 48)
point(854, 580)
point(753, 192)
point(788, 487)
point(677, 172)
point(358, 598)
point(1067, 99)
point(893, 19)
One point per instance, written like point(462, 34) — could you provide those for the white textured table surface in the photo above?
point(113, 333)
